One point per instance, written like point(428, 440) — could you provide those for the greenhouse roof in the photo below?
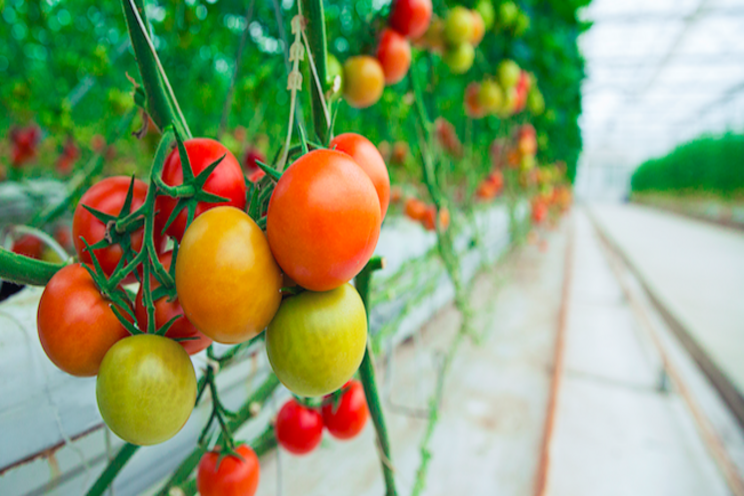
point(659, 72)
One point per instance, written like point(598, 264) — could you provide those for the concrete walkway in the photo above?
point(696, 270)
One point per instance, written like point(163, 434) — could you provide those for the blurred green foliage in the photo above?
point(64, 65)
point(706, 165)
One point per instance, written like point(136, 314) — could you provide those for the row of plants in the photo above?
point(259, 253)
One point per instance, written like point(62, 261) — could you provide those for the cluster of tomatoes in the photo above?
point(426, 214)
point(364, 77)
point(24, 143)
point(224, 280)
point(519, 152)
point(510, 93)
point(456, 37)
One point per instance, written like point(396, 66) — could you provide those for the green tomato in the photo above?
point(509, 73)
point(458, 28)
point(491, 96)
point(317, 340)
point(535, 102)
point(146, 389)
point(460, 59)
point(508, 12)
point(334, 69)
point(487, 12)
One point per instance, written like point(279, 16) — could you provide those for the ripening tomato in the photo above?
point(364, 81)
point(401, 150)
point(459, 58)
point(458, 26)
point(108, 196)
point(491, 97)
point(479, 29)
point(485, 191)
point(335, 75)
point(254, 172)
point(28, 246)
point(165, 310)
point(394, 54)
point(473, 107)
point(430, 217)
point(487, 12)
point(434, 36)
point(225, 181)
point(539, 211)
point(146, 389)
point(535, 101)
point(415, 209)
point(317, 340)
point(347, 417)
point(323, 220)
point(509, 73)
point(410, 17)
point(368, 157)
point(229, 475)
point(298, 429)
point(226, 278)
point(70, 154)
point(76, 325)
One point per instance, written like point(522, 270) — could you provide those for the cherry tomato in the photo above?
point(539, 211)
point(76, 325)
point(487, 12)
point(228, 476)
point(165, 310)
point(490, 96)
point(298, 429)
point(415, 209)
point(348, 417)
point(473, 106)
point(28, 246)
point(226, 180)
point(368, 157)
point(459, 58)
point(535, 102)
point(509, 73)
point(394, 54)
point(478, 30)
point(254, 172)
point(146, 389)
point(411, 17)
point(364, 81)
point(458, 26)
point(430, 218)
point(335, 70)
point(227, 281)
point(401, 150)
point(434, 36)
point(317, 340)
point(323, 220)
point(508, 13)
point(108, 196)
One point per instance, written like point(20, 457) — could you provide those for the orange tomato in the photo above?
point(415, 208)
point(364, 80)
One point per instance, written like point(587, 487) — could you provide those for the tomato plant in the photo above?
point(394, 54)
point(323, 220)
point(225, 181)
point(167, 308)
point(317, 340)
point(364, 81)
point(346, 417)
point(146, 389)
point(230, 475)
point(368, 157)
point(299, 429)
point(76, 325)
point(226, 278)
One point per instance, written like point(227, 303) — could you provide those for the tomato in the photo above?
point(410, 17)
point(491, 97)
point(487, 12)
point(334, 70)
point(347, 418)
point(146, 389)
point(539, 211)
point(401, 150)
point(368, 157)
point(528, 162)
point(430, 216)
point(108, 196)
point(508, 13)
point(317, 340)
point(76, 325)
point(254, 172)
point(70, 154)
point(509, 73)
point(25, 142)
point(434, 37)
point(510, 101)
point(396, 193)
point(63, 235)
point(298, 429)
point(458, 26)
point(444, 218)
point(323, 220)
point(535, 102)
point(459, 58)
point(485, 191)
point(394, 54)
point(473, 107)
point(364, 80)
point(447, 136)
point(28, 246)
point(226, 181)
point(226, 279)
point(165, 310)
point(527, 145)
point(479, 29)
point(229, 475)
point(415, 209)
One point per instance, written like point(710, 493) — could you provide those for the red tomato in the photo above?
point(415, 209)
point(429, 218)
point(255, 173)
point(323, 220)
point(299, 429)
point(539, 211)
point(473, 107)
point(394, 54)
point(108, 196)
point(70, 155)
point(348, 417)
point(25, 141)
point(165, 310)
point(76, 325)
point(226, 181)
point(63, 236)
point(368, 157)
point(411, 17)
point(229, 476)
point(29, 246)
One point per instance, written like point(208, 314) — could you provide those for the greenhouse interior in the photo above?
point(372, 248)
